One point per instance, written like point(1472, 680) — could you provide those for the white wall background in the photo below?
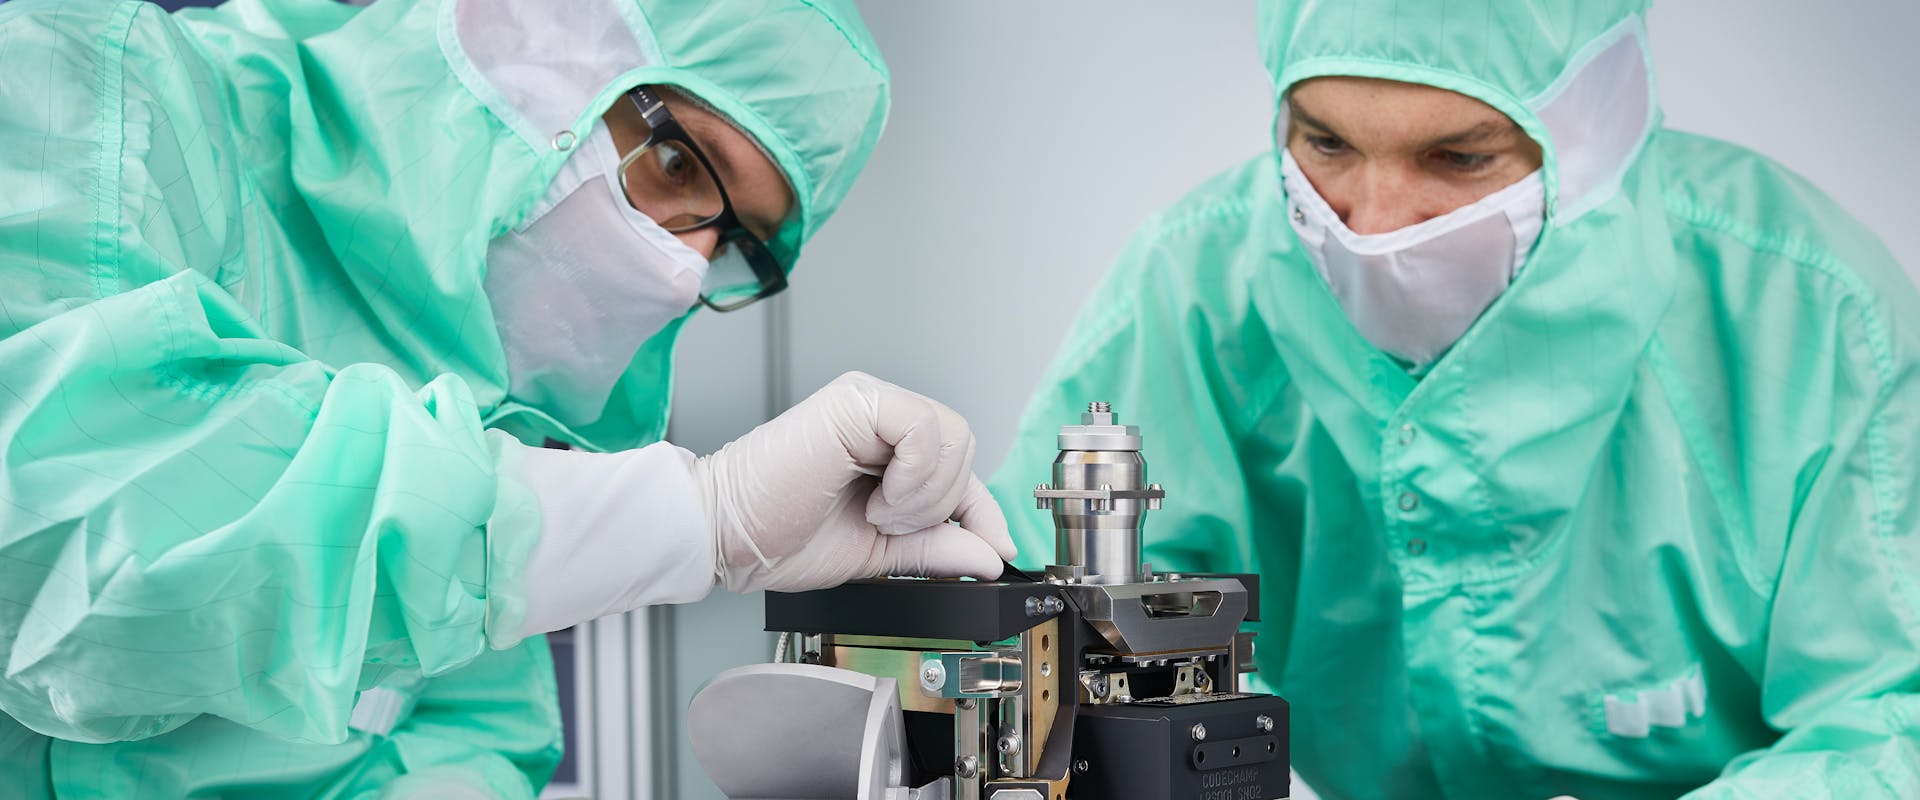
point(1028, 140)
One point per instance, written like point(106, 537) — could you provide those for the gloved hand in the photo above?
point(857, 481)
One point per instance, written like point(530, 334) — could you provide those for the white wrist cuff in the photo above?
point(618, 531)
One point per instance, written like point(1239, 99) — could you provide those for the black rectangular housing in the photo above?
point(973, 611)
point(1147, 750)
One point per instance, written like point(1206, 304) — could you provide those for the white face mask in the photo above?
point(1413, 292)
point(582, 285)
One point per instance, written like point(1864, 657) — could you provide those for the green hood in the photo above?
point(415, 133)
point(1576, 77)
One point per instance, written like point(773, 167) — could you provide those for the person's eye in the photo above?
point(1326, 145)
point(676, 165)
point(1464, 162)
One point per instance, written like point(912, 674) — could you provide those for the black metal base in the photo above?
point(1148, 750)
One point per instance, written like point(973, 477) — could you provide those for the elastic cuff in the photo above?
point(618, 531)
point(512, 530)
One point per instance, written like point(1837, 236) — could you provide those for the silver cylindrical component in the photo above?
point(1098, 531)
point(1102, 536)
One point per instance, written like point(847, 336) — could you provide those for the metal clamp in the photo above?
point(1145, 617)
point(970, 674)
point(1102, 497)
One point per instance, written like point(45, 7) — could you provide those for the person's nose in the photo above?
point(1381, 200)
point(702, 240)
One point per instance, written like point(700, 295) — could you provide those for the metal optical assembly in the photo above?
point(1101, 680)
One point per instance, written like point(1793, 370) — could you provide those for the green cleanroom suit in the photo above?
point(256, 449)
point(1649, 529)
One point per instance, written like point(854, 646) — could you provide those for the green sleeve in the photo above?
point(1841, 673)
point(490, 726)
point(196, 524)
point(194, 518)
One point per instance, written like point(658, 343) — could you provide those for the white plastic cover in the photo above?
point(800, 732)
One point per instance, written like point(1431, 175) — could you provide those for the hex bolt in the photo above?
point(933, 676)
point(1264, 722)
point(1199, 732)
point(1009, 745)
point(967, 767)
point(1045, 606)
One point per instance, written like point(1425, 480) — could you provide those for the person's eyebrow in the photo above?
point(1482, 132)
point(1485, 131)
point(1310, 120)
point(701, 131)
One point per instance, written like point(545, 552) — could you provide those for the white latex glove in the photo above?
point(857, 481)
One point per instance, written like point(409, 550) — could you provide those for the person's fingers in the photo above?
point(909, 428)
point(931, 503)
point(978, 512)
point(931, 460)
point(940, 551)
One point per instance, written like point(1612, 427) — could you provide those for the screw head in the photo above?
point(933, 675)
point(966, 767)
point(1263, 722)
point(1199, 732)
point(1009, 745)
point(1081, 766)
point(1100, 687)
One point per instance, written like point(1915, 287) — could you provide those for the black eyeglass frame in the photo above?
point(766, 268)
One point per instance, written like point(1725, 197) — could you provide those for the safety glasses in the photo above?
point(668, 179)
